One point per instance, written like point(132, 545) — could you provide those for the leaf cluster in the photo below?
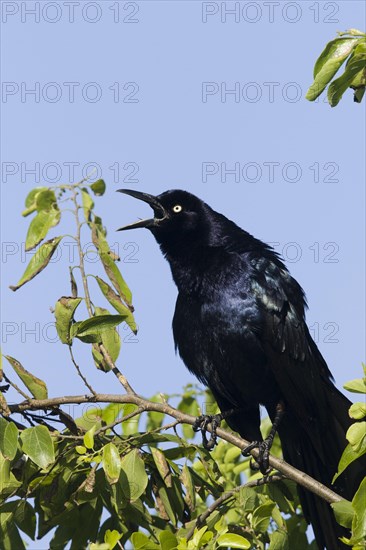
point(350, 46)
point(105, 486)
point(353, 514)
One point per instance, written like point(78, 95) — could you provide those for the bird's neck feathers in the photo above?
point(196, 256)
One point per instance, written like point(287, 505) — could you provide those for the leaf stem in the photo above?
point(80, 252)
point(90, 388)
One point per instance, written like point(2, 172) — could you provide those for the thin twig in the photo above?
point(122, 379)
point(80, 251)
point(113, 424)
point(13, 385)
point(167, 426)
point(279, 464)
point(119, 421)
point(227, 495)
point(90, 388)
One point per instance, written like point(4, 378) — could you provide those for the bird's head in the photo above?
point(179, 217)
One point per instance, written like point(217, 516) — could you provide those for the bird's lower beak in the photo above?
point(159, 210)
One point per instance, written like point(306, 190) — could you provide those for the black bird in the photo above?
point(239, 325)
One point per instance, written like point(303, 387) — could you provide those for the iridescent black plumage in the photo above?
point(239, 326)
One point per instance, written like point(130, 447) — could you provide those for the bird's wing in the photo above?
point(317, 412)
point(297, 364)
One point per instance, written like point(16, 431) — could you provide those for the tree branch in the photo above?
point(121, 378)
point(225, 496)
point(90, 388)
point(145, 405)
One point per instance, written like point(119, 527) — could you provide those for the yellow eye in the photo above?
point(177, 208)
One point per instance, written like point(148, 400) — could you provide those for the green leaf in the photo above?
point(130, 427)
point(95, 326)
point(8, 439)
point(111, 463)
point(230, 540)
point(64, 313)
point(154, 419)
point(343, 512)
point(197, 536)
point(88, 438)
point(30, 201)
point(358, 385)
point(88, 203)
point(112, 537)
point(357, 410)
point(168, 541)
point(116, 278)
point(248, 499)
point(35, 385)
point(112, 343)
point(278, 540)
point(337, 88)
point(261, 517)
point(186, 479)
point(37, 444)
point(110, 267)
point(46, 200)
point(356, 435)
point(48, 216)
point(359, 520)
point(141, 541)
point(110, 340)
point(279, 493)
point(74, 286)
point(9, 534)
point(359, 93)
point(117, 303)
point(8, 482)
point(133, 475)
point(39, 227)
point(98, 187)
point(162, 466)
point(90, 418)
point(38, 262)
point(328, 63)
point(337, 48)
point(348, 456)
point(188, 405)
point(276, 515)
point(25, 518)
point(112, 412)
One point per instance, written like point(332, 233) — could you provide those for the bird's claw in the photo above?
point(262, 460)
point(201, 424)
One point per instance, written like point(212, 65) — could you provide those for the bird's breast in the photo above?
point(218, 340)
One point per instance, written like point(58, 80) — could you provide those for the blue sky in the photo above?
point(162, 95)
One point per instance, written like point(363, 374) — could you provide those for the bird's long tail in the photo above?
point(301, 448)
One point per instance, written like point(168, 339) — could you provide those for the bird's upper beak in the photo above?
point(159, 211)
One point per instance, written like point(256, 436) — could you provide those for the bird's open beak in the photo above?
point(159, 210)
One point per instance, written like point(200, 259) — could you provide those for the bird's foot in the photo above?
point(262, 460)
point(201, 424)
